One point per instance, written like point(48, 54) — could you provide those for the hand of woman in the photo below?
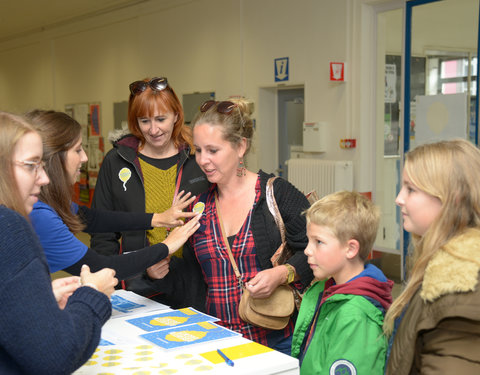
point(172, 217)
point(180, 235)
point(266, 281)
point(159, 270)
point(64, 288)
point(104, 280)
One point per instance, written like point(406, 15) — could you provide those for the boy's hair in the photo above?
point(349, 215)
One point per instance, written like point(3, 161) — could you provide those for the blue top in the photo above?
point(65, 251)
point(61, 246)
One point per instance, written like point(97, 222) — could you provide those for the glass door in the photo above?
point(441, 80)
point(389, 31)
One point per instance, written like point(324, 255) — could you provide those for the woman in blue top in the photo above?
point(56, 218)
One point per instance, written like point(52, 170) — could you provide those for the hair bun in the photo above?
point(246, 106)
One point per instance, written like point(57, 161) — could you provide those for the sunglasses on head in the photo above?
point(156, 84)
point(225, 107)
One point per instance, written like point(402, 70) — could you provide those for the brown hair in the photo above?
point(12, 129)
point(144, 105)
point(59, 133)
point(235, 125)
point(349, 215)
point(447, 170)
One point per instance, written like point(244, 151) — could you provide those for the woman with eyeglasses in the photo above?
point(236, 215)
point(144, 172)
point(45, 327)
point(56, 219)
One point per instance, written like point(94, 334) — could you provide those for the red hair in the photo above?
point(145, 104)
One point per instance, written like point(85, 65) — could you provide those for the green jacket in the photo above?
point(348, 338)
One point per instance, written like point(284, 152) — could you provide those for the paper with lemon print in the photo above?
point(183, 335)
point(169, 319)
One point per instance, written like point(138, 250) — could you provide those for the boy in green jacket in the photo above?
point(339, 326)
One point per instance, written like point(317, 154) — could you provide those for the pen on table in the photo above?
point(227, 360)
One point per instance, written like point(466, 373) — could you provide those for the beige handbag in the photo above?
point(272, 312)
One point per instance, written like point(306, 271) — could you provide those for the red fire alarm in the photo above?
point(337, 72)
point(348, 143)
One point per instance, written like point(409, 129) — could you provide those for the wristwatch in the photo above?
point(290, 274)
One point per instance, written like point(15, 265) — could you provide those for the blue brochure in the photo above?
point(171, 319)
point(184, 335)
point(124, 305)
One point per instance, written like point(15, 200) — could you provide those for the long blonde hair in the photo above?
point(12, 129)
point(448, 170)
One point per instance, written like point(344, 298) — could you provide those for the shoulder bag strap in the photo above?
point(273, 207)
point(227, 245)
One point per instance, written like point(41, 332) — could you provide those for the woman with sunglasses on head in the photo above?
point(56, 219)
point(236, 216)
point(45, 327)
point(143, 173)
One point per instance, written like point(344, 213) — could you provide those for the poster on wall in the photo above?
point(440, 117)
point(390, 83)
point(94, 116)
point(88, 116)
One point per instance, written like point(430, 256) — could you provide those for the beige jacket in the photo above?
point(440, 331)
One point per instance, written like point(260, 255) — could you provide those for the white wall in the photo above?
point(226, 46)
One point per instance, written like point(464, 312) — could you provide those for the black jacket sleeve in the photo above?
point(125, 265)
point(184, 285)
point(104, 221)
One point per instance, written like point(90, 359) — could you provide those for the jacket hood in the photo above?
point(117, 134)
point(454, 268)
point(125, 138)
point(371, 283)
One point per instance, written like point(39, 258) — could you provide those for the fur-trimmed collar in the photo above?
point(117, 134)
point(454, 268)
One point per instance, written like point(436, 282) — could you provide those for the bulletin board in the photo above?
point(89, 116)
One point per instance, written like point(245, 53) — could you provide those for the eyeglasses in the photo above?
point(156, 84)
point(225, 107)
point(31, 166)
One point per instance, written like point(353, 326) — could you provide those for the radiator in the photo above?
point(324, 176)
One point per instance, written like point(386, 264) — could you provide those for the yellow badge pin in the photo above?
point(124, 175)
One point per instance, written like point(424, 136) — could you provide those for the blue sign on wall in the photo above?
point(281, 69)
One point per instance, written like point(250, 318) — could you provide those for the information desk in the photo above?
point(124, 348)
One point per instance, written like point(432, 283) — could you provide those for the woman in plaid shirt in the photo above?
point(222, 136)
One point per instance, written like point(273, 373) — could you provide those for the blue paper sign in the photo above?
point(171, 319)
point(281, 69)
point(176, 337)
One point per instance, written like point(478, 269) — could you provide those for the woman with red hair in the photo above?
point(144, 172)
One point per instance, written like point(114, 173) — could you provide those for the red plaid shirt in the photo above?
point(224, 292)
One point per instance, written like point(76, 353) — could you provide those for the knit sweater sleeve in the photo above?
point(291, 203)
point(36, 337)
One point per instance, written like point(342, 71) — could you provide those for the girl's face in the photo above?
point(28, 168)
point(157, 131)
point(419, 209)
point(75, 157)
point(217, 157)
